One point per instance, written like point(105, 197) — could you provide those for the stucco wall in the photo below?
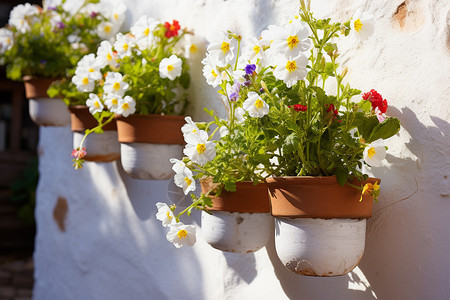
point(108, 244)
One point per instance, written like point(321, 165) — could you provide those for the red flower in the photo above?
point(299, 107)
point(331, 108)
point(172, 29)
point(376, 100)
point(77, 153)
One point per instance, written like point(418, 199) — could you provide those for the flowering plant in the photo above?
point(48, 41)
point(281, 121)
point(142, 72)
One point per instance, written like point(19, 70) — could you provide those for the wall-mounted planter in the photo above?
point(240, 221)
point(44, 111)
point(100, 147)
point(148, 142)
point(320, 227)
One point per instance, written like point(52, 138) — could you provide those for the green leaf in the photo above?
point(366, 125)
point(385, 130)
point(341, 175)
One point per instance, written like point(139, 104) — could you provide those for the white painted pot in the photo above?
point(320, 247)
point(149, 161)
point(237, 232)
point(99, 147)
point(49, 112)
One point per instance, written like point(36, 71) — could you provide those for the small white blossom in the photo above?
point(362, 25)
point(375, 153)
point(210, 71)
point(21, 15)
point(165, 215)
point(6, 40)
point(143, 32)
point(181, 234)
point(107, 30)
point(126, 106)
point(105, 55)
point(199, 149)
point(184, 179)
point(239, 114)
point(255, 106)
point(190, 127)
point(83, 82)
point(291, 71)
point(112, 102)
point(292, 40)
point(223, 131)
point(178, 165)
point(94, 104)
point(124, 45)
point(195, 46)
point(87, 64)
point(170, 67)
point(222, 50)
point(114, 84)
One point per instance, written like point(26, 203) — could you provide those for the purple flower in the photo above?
point(249, 69)
point(51, 8)
point(234, 91)
point(261, 90)
point(247, 83)
point(60, 25)
point(94, 14)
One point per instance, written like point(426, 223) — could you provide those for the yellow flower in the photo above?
point(371, 190)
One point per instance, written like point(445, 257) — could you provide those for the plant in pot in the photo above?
point(320, 196)
point(228, 156)
point(140, 81)
point(41, 45)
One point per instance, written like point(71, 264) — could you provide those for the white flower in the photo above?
point(291, 40)
point(94, 104)
point(83, 82)
point(105, 55)
point(143, 32)
point(291, 70)
point(124, 44)
point(21, 15)
point(170, 67)
point(106, 30)
point(178, 165)
point(195, 45)
point(114, 84)
point(223, 50)
point(126, 107)
point(223, 131)
point(375, 153)
point(198, 148)
point(362, 25)
point(190, 127)
point(165, 215)
point(87, 64)
point(255, 106)
point(181, 234)
point(115, 12)
point(210, 71)
point(112, 102)
point(6, 40)
point(255, 52)
point(184, 179)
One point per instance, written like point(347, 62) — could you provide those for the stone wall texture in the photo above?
point(98, 237)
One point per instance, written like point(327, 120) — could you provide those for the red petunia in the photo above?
point(172, 29)
point(331, 108)
point(299, 107)
point(376, 100)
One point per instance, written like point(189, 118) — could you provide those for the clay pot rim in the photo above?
point(308, 180)
point(149, 116)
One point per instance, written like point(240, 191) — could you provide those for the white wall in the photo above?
point(114, 248)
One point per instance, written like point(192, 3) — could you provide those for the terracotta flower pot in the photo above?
point(148, 142)
point(44, 111)
point(240, 221)
point(100, 147)
point(320, 226)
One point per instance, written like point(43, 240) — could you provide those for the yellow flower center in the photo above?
point(201, 148)
point(213, 73)
point(96, 104)
point(85, 80)
point(256, 49)
point(291, 66)
point(116, 16)
point(259, 103)
point(8, 40)
point(170, 68)
point(146, 31)
point(125, 47)
point(188, 181)
point(116, 86)
point(108, 56)
point(114, 101)
point(371, 152)
point(168, 215)
point(225, 47)
point(107, 29)
point(91, 70)
point(292, 41)
point(193, 48)
point(358, 25)
point(125, 106)
point(182, 234)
